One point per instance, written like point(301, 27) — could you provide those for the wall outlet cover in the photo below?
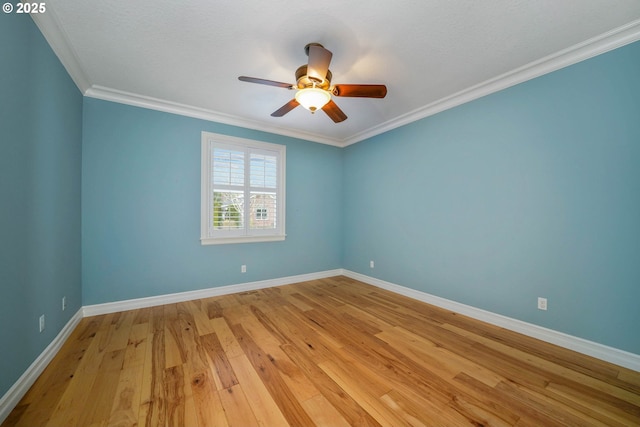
point(542, 303)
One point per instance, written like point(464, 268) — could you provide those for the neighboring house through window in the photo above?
point(261, 214)
point(243, 191)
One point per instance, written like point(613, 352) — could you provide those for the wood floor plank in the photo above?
point(264, 364)
point(362, 395)
point(214, 309)
point(264, 407)
point(103, 390)
point(337, 396)
point(448, 363)
point(153, 399)
point(41, 401)
point(411, 417)
point(448, 367)
point(200, 316)
point(552, 368)
point(323, 413)
point(328, 352)
point(175, 353)
point(630, 379)
point(75, 397)
point(175, 397)
point(180, 405)
point(562, 415)
point(137, 345)
point(237, 407)
point(53, 381)
point(617, 414)
point(201, 386)
point(299, 385)
point(226, 338)
point(126, 405)
point(296, 330)
point(208, 406)
point(194, 353)
point(224, 377)
point(120, 331)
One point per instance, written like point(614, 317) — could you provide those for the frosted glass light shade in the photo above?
point(313, 98)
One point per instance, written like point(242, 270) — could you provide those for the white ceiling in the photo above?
point(185, 56)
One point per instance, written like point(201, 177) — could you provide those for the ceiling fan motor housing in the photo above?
point(304, 81)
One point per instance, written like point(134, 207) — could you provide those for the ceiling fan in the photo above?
point(314, 88)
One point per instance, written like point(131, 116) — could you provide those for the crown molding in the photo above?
point(114, 95)
point(54, 33)
point(603, 43)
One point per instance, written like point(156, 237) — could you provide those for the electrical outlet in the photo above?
point(243, 268)
point(42, 323)
point(542, 303)
point(371, 264)
point(64, 303)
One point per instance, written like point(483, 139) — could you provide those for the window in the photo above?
point(243, 195)
point(261, 213)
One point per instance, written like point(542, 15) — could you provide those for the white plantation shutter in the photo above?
point(242, 190)
point(228, 167)
point(228, 189)
point(263, 190)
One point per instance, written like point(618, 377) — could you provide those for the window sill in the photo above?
point(245, 239)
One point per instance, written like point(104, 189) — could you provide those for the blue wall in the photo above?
point(532, 191)
point(141, 208)
point(40, 167)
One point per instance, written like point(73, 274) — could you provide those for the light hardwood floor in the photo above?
point(332, 352)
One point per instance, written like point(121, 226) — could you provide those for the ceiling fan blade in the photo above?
point(265, 82)
point(285, 108)
point(334, 112)
point(319, 59)
point(361, 91)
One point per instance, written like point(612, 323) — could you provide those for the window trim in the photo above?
point(210, 140)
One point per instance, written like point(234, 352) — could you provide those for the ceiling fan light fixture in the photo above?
point(314, 89)
point(312, 98)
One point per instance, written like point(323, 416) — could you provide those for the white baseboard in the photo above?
point(12, 397)
point(580, 345)
point(113, 307)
